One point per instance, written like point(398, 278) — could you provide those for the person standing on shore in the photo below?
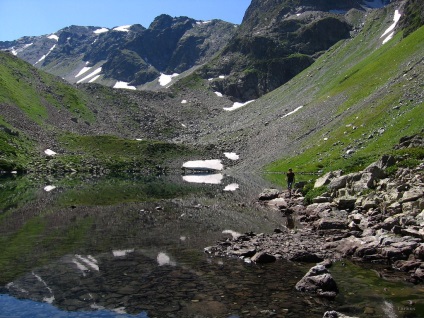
point(290, 180)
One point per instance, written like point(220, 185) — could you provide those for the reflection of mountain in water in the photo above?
point(104, 243)
point(130, 283)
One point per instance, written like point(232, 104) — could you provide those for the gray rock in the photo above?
point(330, 224)
point(262, 258)
point(413, 194)
point(335, 314)
point(326, 179)
point(338, 183)
point(306, 256)
point(245, 252)
point(345, 203)
point(269, 194)
point(367, 181)
point(318, 280)
point(322, 199)
point(419, 252)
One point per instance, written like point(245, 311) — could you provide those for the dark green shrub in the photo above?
point(310, 192)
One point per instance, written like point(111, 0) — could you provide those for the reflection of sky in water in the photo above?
point(31, 309)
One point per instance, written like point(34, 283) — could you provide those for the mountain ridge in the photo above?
point(349, 80)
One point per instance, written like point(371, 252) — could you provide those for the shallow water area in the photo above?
point(132, 246)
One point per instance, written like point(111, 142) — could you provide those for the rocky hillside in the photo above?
point(128, 55)
point(351, 105)
point(279, 39)
point(275, 42)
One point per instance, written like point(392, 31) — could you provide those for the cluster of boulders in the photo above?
point(366, 216)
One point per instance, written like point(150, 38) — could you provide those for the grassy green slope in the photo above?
point(377, 98)
point(38, 111)
point(29, 93)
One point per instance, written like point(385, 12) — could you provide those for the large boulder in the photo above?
point(269, 194)
point(262, 258)
point(318, 280)
point(335, 314)
point(413, 194)
point(326, 179)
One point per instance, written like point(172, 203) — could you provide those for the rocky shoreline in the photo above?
point(367, 216)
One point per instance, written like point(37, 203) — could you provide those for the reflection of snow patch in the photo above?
point(125, 85)
point(237, 105)
point(204, 178)
point(231, 187)
point(214, 164)
point(122, 253)
point(374, 4)
point(164, 259)
point(231, 155)
point(89, 261)
point(389, 31)
point(292, 112)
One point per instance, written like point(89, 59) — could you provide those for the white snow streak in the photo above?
point(125, 85)
point(390, 29)
point(49, 188)
point(94, 73)
point(231, 155)
point(84, 69)
point(53, 37)
point(101, 30)
point(166, 79)
point(231, 187)
point(123, 28)
point(44, 56)
point(237, 105)
point(218, 94)
point(49, 152)
point(214, 164)
point(94, 78)
point(292, 112)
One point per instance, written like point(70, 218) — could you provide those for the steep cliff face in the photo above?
point(277, 40)
point(131, 53)
point(413, 17)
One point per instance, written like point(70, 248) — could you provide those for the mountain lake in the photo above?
point(133, 246)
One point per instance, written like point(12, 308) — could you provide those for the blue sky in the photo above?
point(38, 17)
